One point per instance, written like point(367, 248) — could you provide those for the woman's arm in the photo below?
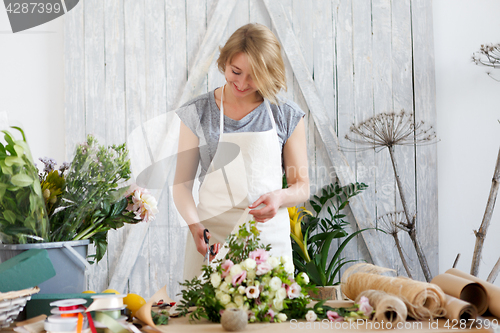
point(297, 176)
point(185, 173)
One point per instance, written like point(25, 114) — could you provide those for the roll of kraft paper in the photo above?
point(388, 308)
point(464, 289)
point(456, 309)
point(492, 290)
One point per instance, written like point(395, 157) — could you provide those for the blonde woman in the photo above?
point(243, 138)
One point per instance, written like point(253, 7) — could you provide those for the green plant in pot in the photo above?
point(313, 233)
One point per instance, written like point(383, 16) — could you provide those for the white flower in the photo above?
point(311, 315)
point(364, 305)
point(215, 279)
point(285, 259)
point(241, 290)
point(231, 306)
point(281, 293)
point(224, 286)
point(235, 270)
point(273, 261)
point(275, 283)
point(239, 301)
point(252, 292)
point(281, 317)
point(263, 268)
point(251, 274)
point(278, 304)
point(305, 277)
point(219, 294)
point(289, 267)
point(249, 264)
point(225, 299)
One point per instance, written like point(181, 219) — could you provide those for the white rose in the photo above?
point(281, 317)
point(225, 299)
point(289, 267)
point(305, 277)
point(215, 279)
point(219, 294)
point(241, 290)
point(273, 261)
point(286, 259)
point(231, 306)
point(238, 300)
point(275, 283)
point(251, 274)
point(224, 286)
point(235, 270)
point(278, 304)
point(311, 315)
point(250, 264)
point(281, 293)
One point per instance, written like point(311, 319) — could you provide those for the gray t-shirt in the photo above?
point(202, 116)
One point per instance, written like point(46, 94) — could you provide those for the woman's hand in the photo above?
point(272, 203)
point(197, 233)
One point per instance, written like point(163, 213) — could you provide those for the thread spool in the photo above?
point(388, 308)
point(234, 320)
point(67, 317)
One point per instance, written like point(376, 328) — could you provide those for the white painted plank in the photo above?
point(176, 54)
point(74, 79)
point(115, 103)
point(344, 173)
point(95, 106)
point(425, 109)
point(156, 104)
point(196, 26)
point(259, 14)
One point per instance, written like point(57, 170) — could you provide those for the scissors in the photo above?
point(210, 249)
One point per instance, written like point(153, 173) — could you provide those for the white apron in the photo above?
point(231, 186)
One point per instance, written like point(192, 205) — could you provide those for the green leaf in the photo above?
point(10, 216)
point(11, 160)
point(19, 150)
point(8, 138)
point(6, 169)
point(20, 130)
point(2, 149)
point(21, 180)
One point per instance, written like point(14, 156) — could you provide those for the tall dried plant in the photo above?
point(390, 224)
point(387, 130)
point(489, 56)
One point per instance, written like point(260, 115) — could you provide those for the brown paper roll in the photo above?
point(456, 309)
point(144, 313)
point(464, 289)
point(492, 291)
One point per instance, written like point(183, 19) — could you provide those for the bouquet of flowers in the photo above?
point(83, 199)
point(250, 279)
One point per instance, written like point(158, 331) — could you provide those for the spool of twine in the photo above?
point(423, 300)
point(234, 320)
point(388, 308)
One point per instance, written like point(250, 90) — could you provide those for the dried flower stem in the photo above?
point(389, 223)
point(481, 233)
point(494, 272)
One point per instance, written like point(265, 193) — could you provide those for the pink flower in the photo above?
point(270, 313)
point(259, 255)
point(334, 316)
point(226, 267)
point(365, 307)
point(263, 268)
point(142, 204)
point(238, 279)
point(293, 291)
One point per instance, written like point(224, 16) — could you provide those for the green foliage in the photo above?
point(320, 231)
point(23, 218)
point(160, 318)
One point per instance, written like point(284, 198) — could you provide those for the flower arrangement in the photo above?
point(83, 199)
point(359, 311)
point(250, 279)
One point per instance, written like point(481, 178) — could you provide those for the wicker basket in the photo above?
point(13, 302)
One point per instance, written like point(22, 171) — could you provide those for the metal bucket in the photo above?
point(68, 258)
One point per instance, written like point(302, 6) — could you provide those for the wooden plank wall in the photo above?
point(127, 61)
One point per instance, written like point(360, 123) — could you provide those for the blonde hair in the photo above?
point(264, 56)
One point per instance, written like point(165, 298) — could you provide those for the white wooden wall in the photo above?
point(127, 61)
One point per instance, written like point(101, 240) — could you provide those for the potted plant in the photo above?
point(313, 233)
point(68, 208)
